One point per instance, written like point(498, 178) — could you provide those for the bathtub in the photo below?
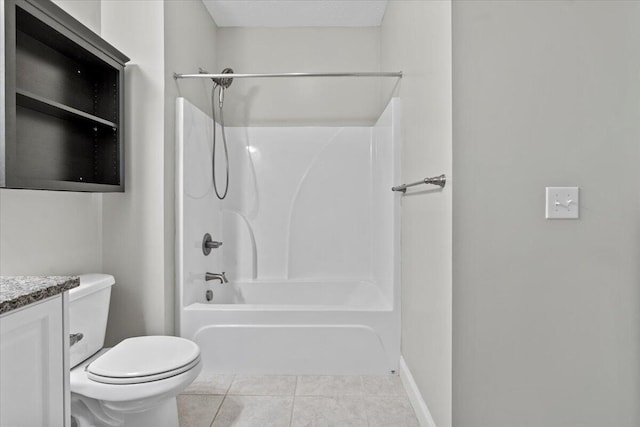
point(298, 328)
point(289, 215)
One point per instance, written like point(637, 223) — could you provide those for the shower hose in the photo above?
point(224, 140)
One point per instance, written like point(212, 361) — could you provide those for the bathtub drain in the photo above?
point(209, 295)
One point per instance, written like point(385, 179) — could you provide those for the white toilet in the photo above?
point(134, 383)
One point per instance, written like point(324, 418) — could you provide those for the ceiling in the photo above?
point(296, 13)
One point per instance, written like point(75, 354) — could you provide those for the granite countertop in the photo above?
point(18, 291)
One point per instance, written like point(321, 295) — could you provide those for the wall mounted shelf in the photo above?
point(46, 106)
point(63, 102)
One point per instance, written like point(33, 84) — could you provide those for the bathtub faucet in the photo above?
point(215, 276)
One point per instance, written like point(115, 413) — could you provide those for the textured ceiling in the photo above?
point(296, 13)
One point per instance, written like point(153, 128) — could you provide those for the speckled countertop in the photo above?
point(18, 291)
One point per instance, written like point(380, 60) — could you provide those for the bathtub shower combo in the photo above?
point(308, 240)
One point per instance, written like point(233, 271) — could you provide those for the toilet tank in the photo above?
point(88, 312)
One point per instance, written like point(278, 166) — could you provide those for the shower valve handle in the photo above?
point(208, 243)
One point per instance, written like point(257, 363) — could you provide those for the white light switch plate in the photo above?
point(562, 203)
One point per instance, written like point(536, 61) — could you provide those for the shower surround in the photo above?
point(310, 232)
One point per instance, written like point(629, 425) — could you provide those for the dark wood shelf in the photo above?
point(47, 106)
point(64, 102)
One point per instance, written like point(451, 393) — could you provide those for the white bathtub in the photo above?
point(295, 328)
point(288, 295)
point(289, 215)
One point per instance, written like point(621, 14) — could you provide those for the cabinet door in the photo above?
point(31, 365)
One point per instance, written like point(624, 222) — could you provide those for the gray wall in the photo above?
point(53, 232)
point(133, 222)
point(50, 233)
point(416, 38)
point(85, 11)
point(546, 312)
point(301, 101)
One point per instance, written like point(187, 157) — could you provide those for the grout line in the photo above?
point(361, 397)
point(233, 378)
point(224, 397)
point(293, 401)
point(218, 411)
point(262, 395)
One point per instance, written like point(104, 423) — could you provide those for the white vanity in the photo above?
point(34, 351)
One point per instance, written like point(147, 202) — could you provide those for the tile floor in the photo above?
point(299, 401)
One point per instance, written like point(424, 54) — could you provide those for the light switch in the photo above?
point(562, 203)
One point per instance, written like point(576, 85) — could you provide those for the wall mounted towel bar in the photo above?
point(436, 180)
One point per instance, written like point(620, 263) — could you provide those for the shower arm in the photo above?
point(177, 76)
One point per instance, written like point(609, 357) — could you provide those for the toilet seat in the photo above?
point(144, 359)
point(125, 393)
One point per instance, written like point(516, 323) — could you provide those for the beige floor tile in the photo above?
point(382, 385)
point(197, 410)
point(254, 411)
point(209, 383)
point(328, 385)
point(345, 411)
point(263, 385)
point(390, 411)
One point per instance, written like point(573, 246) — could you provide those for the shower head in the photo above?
point(224, 82)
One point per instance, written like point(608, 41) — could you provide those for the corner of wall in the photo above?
point(133, 222)
point(416, 38)
point(184, 51)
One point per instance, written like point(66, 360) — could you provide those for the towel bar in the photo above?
point(436, 180)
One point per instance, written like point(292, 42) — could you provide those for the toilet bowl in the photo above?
point(136, 382)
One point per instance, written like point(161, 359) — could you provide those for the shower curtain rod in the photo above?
point(258, 75)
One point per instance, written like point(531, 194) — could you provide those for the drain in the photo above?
point(209, 295)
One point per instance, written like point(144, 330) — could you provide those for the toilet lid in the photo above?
point(144, 359)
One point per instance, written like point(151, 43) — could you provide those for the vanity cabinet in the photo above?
point(34, 365)
point(63, 102)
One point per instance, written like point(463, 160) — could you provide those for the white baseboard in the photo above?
point(419, 405)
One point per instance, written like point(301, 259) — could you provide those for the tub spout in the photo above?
point(215, 276)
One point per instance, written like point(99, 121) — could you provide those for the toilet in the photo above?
point(136, 382)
